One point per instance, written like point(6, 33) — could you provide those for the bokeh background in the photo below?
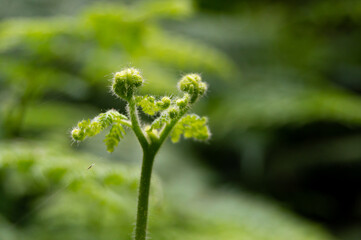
point(284, 108)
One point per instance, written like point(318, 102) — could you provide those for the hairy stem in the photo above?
point(143, 197)
point(136, 125)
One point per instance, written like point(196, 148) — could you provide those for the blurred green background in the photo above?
point(284, 107)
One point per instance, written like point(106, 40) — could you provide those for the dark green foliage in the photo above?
point(56, 55)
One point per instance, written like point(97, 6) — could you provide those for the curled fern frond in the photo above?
point(90, 128)
point(126, 82)
point(191, 126)
point(193, 85)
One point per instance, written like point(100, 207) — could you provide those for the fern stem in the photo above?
point(143, 195)
point(135, 123)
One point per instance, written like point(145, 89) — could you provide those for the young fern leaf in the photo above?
point(90, 128)
point(191, 126)
point(113, 137)
point(150, 106)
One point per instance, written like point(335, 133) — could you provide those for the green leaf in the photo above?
point(113, 137)
point(191, 126)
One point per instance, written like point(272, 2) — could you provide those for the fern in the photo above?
point(169, 121)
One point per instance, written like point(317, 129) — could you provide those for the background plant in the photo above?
point(42, 184)
point(52, 55)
